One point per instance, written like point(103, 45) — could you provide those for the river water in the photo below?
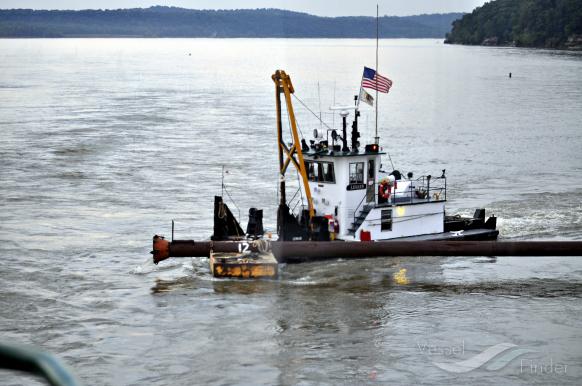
point(105, 141)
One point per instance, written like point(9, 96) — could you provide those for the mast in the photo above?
point(376, 138)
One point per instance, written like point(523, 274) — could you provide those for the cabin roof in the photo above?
point(331, 153)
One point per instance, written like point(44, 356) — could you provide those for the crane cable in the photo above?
point(311, 111)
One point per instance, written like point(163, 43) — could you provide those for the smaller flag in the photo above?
point(371, 79)
point(365, 97)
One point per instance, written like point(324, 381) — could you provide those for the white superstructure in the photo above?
point(347, 195)
point(363, 202)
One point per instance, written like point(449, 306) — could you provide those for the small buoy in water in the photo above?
point(510, 74)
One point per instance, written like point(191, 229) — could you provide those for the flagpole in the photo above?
point(377, 140)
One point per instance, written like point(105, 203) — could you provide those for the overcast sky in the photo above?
point(315, 7)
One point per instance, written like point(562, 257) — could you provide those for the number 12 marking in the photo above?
point(243, 247)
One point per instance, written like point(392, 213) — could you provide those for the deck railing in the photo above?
point(423, 189)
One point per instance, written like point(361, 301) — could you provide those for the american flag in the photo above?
point(371, 79)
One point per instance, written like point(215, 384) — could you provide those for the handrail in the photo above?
point(430, 190)
point(299, 201)
point(358, 207)
point(295, 195)
point(34, 361)
point(422, 181)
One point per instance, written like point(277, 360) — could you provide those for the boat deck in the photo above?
point(469, 234)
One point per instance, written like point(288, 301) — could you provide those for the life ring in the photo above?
point(384, 189)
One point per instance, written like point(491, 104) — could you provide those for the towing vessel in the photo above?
point(346, 198)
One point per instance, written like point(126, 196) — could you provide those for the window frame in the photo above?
point(386, 221)
point(316, 173)
point(356, 173)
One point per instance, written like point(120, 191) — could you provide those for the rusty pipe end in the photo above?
point(161, 249)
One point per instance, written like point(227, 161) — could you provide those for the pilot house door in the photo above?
point(370, 188)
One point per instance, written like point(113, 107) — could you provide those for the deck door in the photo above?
point(371, 186)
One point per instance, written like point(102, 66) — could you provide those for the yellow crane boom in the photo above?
point(291, 154)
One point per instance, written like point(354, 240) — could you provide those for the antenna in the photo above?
point(319, 98)
point(333, 115)
point(222, 183)
point(376, 139)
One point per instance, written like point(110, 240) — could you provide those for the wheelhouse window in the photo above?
point(327, 172)
point(386, 220)
point(357, 173)
point(320, 171)
point(311, 169)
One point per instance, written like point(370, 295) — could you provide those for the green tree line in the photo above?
point(523, 23)
point(179, 22)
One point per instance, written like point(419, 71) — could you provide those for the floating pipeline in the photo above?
point(303, 251)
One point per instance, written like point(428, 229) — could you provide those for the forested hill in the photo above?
point(179, 22)
point(523, 23)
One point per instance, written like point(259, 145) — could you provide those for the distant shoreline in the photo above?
point(211, 38)
point(172, 22)
point(559, 48)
